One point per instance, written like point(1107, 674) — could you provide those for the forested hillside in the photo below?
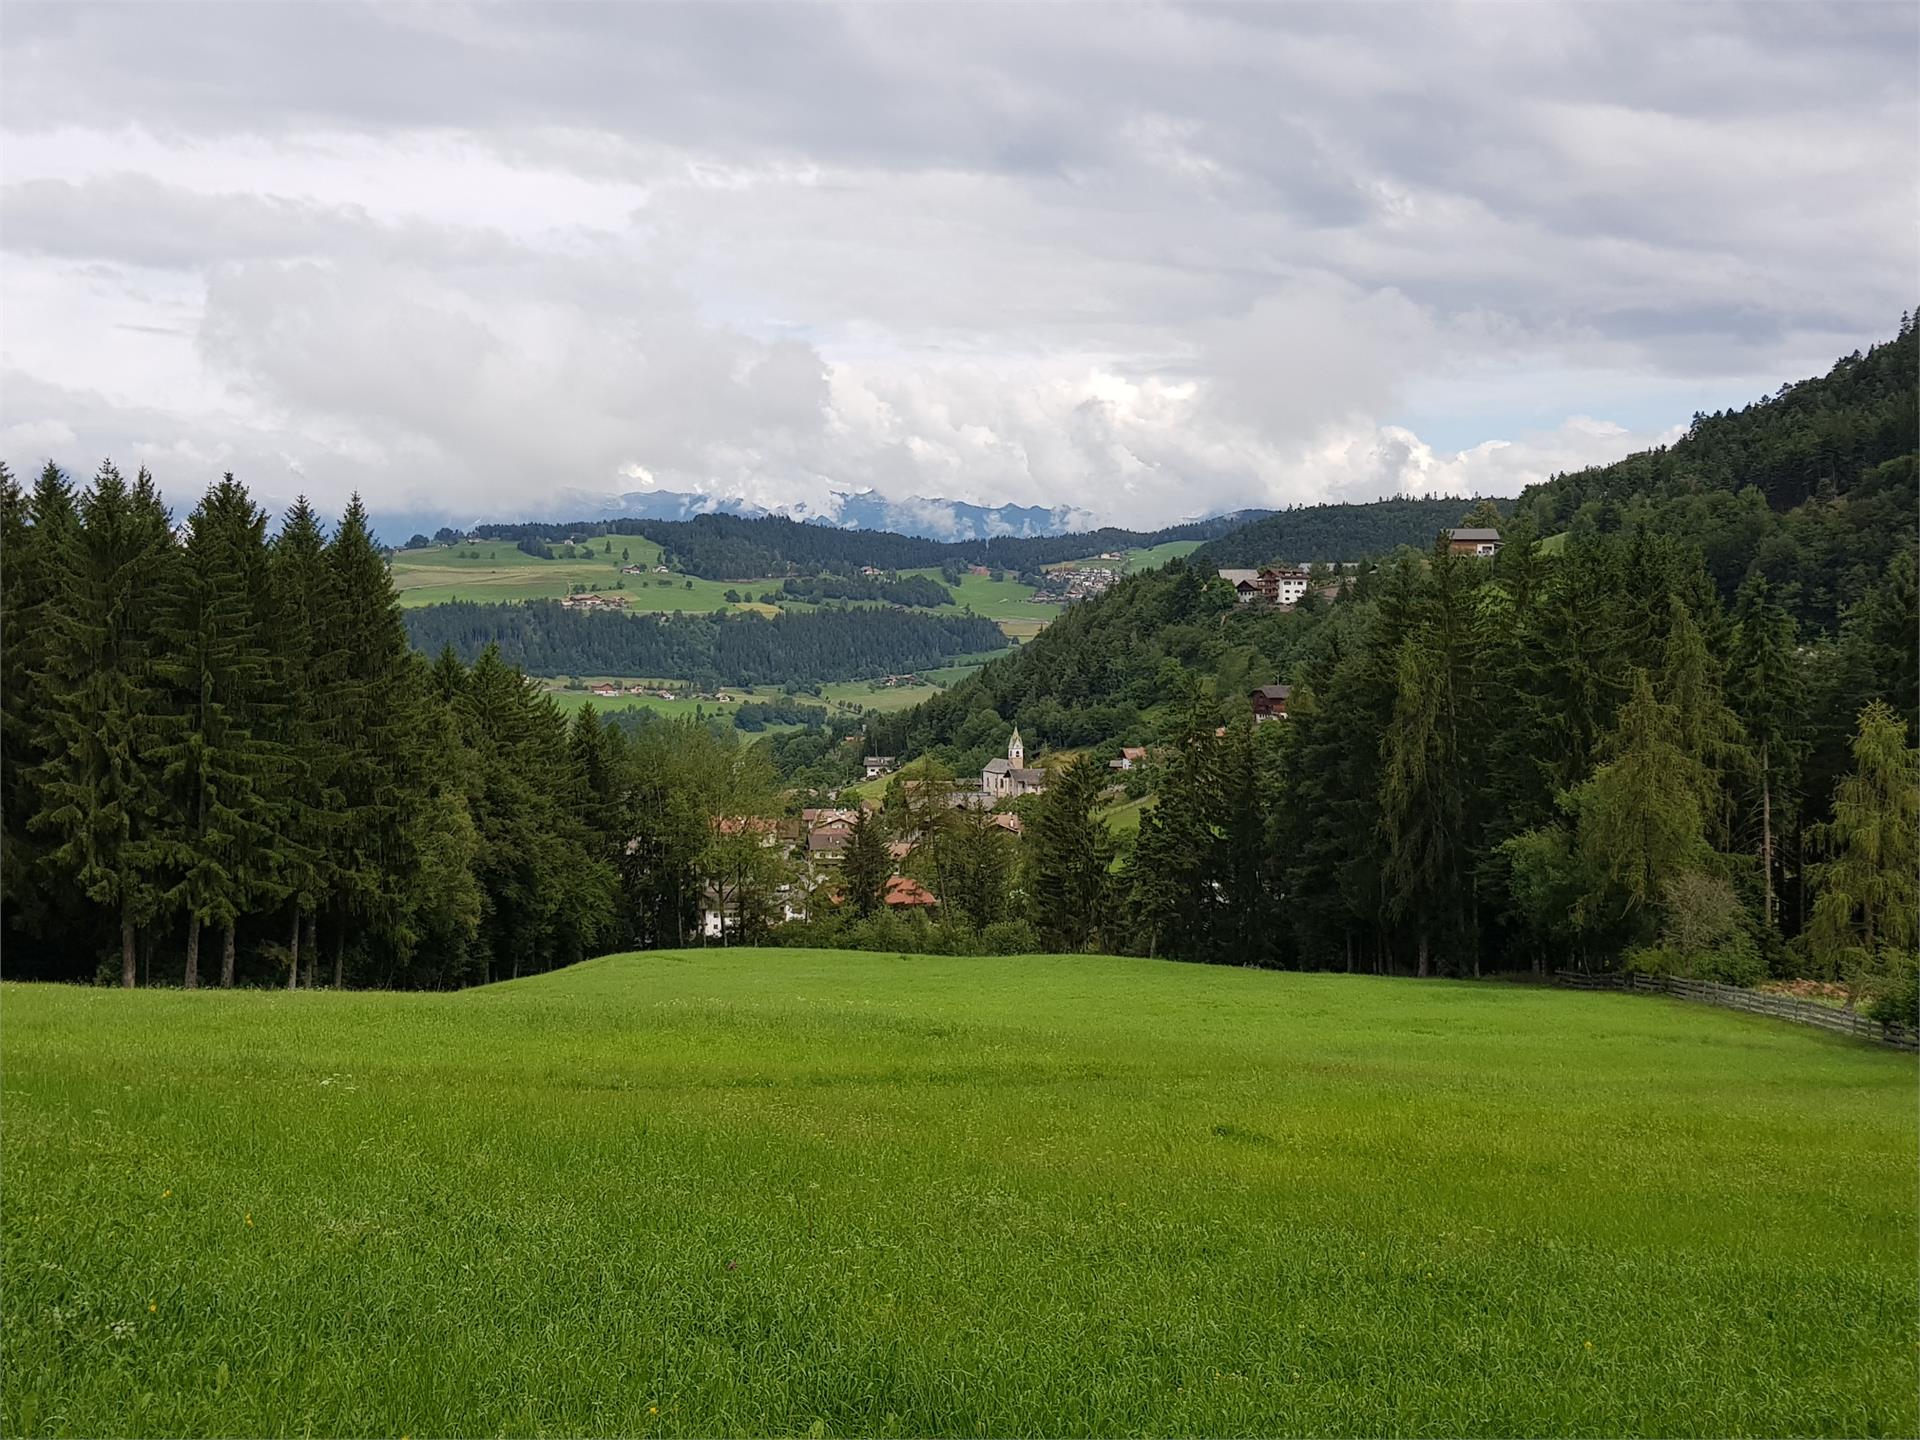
point(1640, 749)
point(221, 761)
point(833, 643)
point(1332, 533)
point(731, 547)
point(1812, 487)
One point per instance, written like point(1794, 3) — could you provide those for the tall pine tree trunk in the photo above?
point(293, 947)
point(193, 952)
point(339, 957)
point(126, 946)
point(226, 958)
point(1766, 838)
point(1425, 963)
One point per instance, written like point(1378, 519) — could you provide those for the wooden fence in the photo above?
point(1732, 997)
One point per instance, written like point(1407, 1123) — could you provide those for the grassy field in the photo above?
point(571, 700)
point(819, 1193)
point(1158, 555)
point(1125, 816)
point(499, 573)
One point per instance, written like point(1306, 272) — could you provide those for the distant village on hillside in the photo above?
point(812, 845)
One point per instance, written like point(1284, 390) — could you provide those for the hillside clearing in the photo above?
point(805, 1191)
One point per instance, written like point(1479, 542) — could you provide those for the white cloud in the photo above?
point(1147, 262)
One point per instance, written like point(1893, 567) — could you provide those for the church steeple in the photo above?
point(1016, 752)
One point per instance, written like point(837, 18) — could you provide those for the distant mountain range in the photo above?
point(933, 519)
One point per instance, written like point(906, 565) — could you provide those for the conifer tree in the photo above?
point(374, 724)
point(210, 729)
point(979, 868)
point(1070, 855)
point(1766, 690)
point(1867, 905)
point(864, 866)
point(37, 527)
point(99, 797)
point(305, 631)
point(1640, 817)
point(1177, 861)
point(1709, 732)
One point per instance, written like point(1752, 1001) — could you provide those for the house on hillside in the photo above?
point(1003, 779)
point(1270, 702)
point(1245, 583)
point(1469, 541)
point(1130, 756)
point(1282, 586)
point(878, 765)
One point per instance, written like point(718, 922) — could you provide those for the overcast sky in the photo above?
point(1149, 261)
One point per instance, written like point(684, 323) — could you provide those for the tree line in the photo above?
point(891, 590)
point(736, 547)
point(221, 761)
point(1305, 533)
point(836, 643)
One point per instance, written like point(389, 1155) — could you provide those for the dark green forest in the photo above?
point(802, 647)
point(1331, 533)
point(732, 547)
point(221, 761)
point(1632, 747)
point(901, 590)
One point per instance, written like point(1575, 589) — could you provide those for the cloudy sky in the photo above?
point(1146, 260)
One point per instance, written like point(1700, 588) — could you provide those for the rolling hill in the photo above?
point(813, 1192)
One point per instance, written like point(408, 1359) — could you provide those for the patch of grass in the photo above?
point(571, 700)
point(1005, 599)
point(1156, 556)
point(1125, 817)
point(794, 1192)
point(1553, 544)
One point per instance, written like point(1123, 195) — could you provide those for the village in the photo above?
point(811, 846)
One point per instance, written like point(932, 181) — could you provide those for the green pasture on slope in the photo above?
point(822, 1193)
point(1003, 599)
point(497, 572)
point(1153, 557)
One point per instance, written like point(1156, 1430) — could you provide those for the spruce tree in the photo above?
point(213, 725)
point(1174, 872)
point(864, 866)
point(1070, 852)
point(100, 802)
point(37, 528)
point(305, 637)
point(375, 726)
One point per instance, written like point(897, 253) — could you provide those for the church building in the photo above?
point(1003, 779)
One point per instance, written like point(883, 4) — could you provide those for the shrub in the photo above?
point(1009, 937)
point(1735, 961)
point(1899, 999)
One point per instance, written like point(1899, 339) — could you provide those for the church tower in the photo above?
point(1016, 752)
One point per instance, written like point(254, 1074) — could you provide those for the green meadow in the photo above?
point(823, 1193)
point(1153, 557)
point(498, 573)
